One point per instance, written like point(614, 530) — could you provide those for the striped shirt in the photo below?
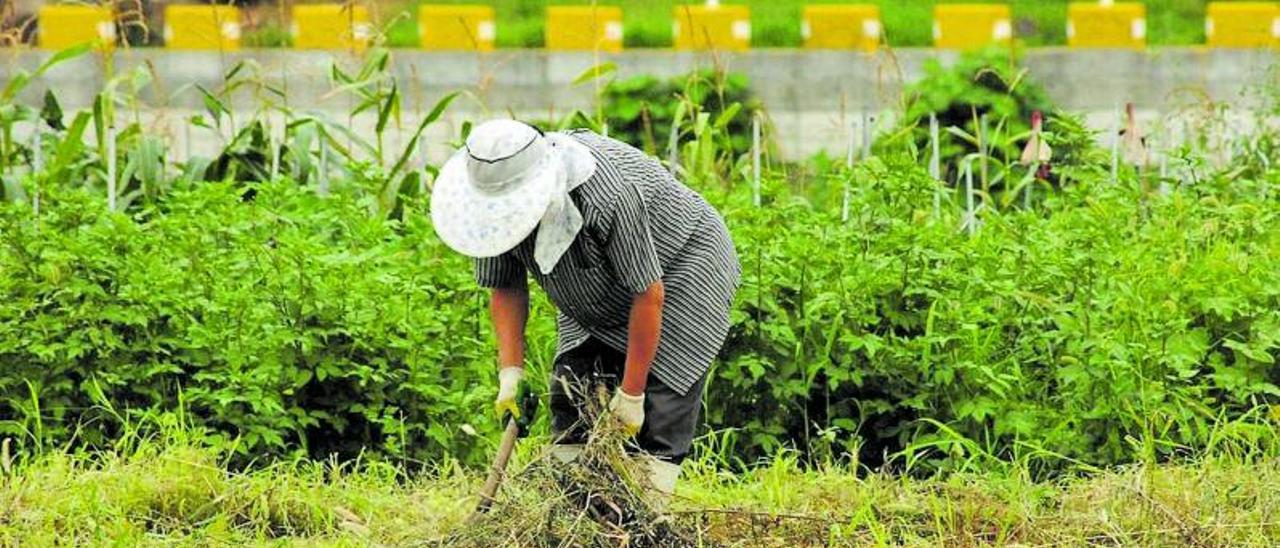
point(640, 225)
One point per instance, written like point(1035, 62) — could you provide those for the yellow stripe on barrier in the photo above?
point(454, 27)
point(855, 26)
point(330, 26)
point(1120, 25)
point(63, 26)
point(712, 27)
point(584, 28)
point(969, 26)
point(1243, 24)
point(202, 26)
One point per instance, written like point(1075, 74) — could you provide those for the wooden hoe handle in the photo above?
point(499, 468)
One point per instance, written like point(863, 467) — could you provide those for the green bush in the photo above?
point(641, 110)
point(983, 93)
point(1120, 326)
point(292, 321)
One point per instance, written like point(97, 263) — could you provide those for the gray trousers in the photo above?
point(670, 419)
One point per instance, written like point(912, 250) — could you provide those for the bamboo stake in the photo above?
point(424, 149)
point(323, 175)
point(982, 150)
point(867, 120)
point(275, 146)
point(1164, 172)
point(1031, 183)
point(935, 163)
point(673, 149)
point(848, 164)
point(1266, 168)
point(37, 151)
point(111, 167)
point(755, 158)
point(970, 213)
point(1115, 146)
point(186, 140)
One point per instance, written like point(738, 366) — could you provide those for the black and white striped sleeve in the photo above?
point(501, 272)
point(630, 249)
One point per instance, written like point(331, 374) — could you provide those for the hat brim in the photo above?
point(482, 225)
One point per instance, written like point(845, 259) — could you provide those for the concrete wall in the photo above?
point(812, 97)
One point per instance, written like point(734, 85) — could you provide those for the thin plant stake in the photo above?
point(982, 149)
point(755, 159)
point(935, 164)
point(1164, 173)
point(186, 140)
point(275, 145)
point(1233, 141)
point(1031, 183)
point(1115, 146)
point(111, 167)
point(673, 149)
point(424, 149)
point(848, 164)
point(323, 174)
point(866, 135)
point(970, 210)
point(1266, 168)
point(37, 152)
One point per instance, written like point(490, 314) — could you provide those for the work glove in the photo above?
point(508, 391)
point(629, 410)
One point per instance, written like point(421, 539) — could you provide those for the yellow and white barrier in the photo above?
point(456, 27)
point(970, 26)
point(1100, 25)
point(202, 26)
point(712, 27)
point(584, 28)
point(330, 26)
point(66, 25)
point(841, 27)
point(1242, 24)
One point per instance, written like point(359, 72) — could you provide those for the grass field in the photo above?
point(776, 23)
point(175, 493)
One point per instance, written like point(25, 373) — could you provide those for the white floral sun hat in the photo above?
point(509, 179)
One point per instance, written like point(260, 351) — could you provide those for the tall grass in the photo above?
point(169, 489)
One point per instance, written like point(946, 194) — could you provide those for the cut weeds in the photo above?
point(602, 498)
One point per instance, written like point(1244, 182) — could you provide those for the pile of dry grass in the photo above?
point(603, 498)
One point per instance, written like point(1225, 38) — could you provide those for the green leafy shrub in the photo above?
point(1116, 328)
point(642, 110)
point(979, 88)
point(292, 321)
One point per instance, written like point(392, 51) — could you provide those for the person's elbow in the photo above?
point(653, 295)
point(505, 297)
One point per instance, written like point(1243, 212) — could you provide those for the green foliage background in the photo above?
point(1103, 322)
point(1112, 328)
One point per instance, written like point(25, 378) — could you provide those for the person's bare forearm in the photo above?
point(643, 331)
point(509, 310)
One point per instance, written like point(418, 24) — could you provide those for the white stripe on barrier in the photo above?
point(871, 28)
